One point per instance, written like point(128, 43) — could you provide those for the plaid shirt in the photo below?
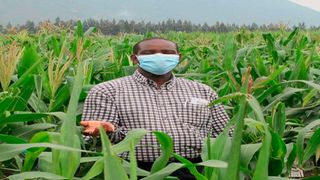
point(178, 107)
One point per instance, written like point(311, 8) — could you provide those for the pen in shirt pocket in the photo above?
point(185, 104)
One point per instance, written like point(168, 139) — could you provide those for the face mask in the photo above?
point(158, 63)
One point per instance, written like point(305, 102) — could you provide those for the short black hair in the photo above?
point(136, 47)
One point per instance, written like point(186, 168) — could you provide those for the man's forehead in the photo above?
point(157, 44)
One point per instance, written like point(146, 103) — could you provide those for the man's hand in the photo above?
point(92, 127)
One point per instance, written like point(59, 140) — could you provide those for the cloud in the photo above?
point(312, 4)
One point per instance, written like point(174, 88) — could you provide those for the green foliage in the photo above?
point(268, 82)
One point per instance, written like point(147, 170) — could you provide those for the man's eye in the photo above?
point(147, 52)
point(168, 52)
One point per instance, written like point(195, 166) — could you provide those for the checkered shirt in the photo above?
point(136, 102)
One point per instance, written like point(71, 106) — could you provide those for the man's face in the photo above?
point(154, 46)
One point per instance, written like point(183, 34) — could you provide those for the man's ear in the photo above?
point(180, 56)
point(134, 59)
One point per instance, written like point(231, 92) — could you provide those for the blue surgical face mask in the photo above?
point(158, 63)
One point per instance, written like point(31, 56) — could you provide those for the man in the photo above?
point(154, 99)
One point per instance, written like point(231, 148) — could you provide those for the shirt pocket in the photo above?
point(193, 114)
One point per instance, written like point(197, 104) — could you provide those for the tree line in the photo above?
point(113, 27)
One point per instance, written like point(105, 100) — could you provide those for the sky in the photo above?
point(312, 4)
point(291, 12)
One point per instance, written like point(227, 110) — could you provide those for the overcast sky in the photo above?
point(197, 11)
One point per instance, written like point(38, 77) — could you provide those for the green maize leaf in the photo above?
point(61, 115)
point(46, 83)
point(112, 164)
point(79, 29)
point(55, 138)
point(287, 92)
point(8, 151)
point(76, 91)
point(169, 169)
point(34, 175)
point(27, 131)
point(133, 162)
point(309, 83)
point(247, 153)
point(89, 159)
point(261, 172)
point(270, 78)
point(23, 117)
point(312, 145)
point(27, 77)
point(61, 97)
point(166, 143)
point(224, 89)
point(226, 98)
point(261, 67)
point(15, 100)
point(37, 104)
point(214, 149)
point(70, 161)
point(255, 106)
point(30, 57)
point(229, 53)
point(38, 84)
point(213, 163)
point(308, 97)
point(90, 31)
point(11, 139)
point(301, 137)
point(135, 135)
point(29, 116)
point(301, 66)
point(55, 44)
point(140, 172)
point(45, 162)
point(95, 170)
point(7, 103)
point(294, 111)
point(315, 71)
point(279, 118)
point(271, 46)
point(268, 92)
point(234, 159)
point(291, 36)
point(290, 156)
point(279, 150)
point(33, 153)
point(191, 167)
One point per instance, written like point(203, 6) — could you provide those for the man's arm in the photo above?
point(100, 106)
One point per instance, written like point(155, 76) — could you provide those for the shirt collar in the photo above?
point(138, 77)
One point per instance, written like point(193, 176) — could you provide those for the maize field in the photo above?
point(267, 81)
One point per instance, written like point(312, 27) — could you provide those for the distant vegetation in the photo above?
point(113, 27)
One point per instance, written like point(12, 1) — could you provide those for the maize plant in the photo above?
point(267, 81)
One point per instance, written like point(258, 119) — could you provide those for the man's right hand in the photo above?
point(92, 127)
